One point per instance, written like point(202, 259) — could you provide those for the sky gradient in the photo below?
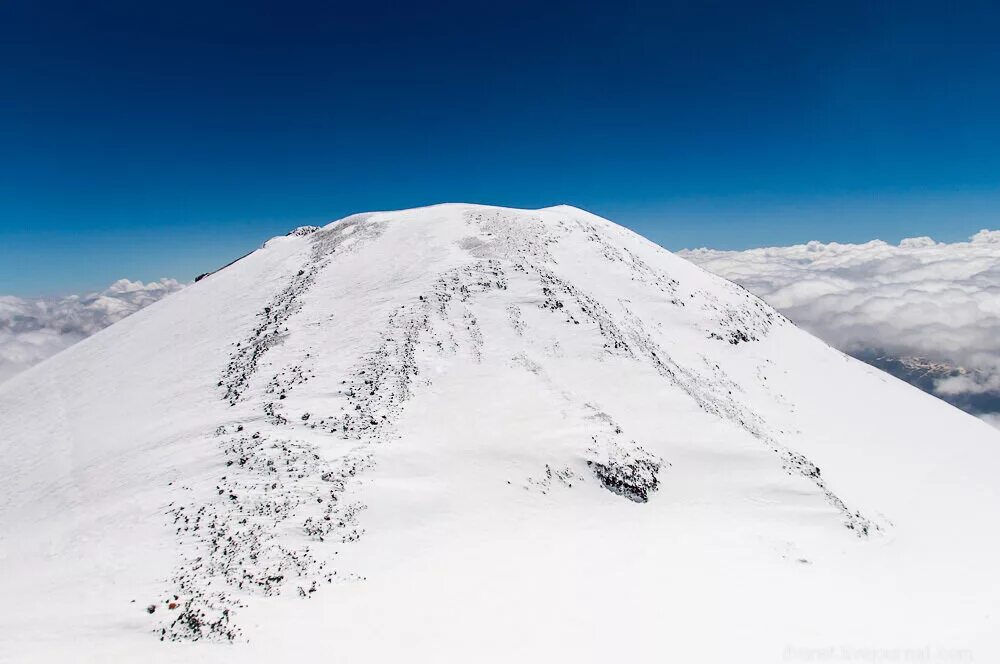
point(163, 140)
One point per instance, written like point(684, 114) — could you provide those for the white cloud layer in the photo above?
point(33, 329)
point(919, 299)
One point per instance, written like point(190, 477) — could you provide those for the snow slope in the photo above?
point(466, 433)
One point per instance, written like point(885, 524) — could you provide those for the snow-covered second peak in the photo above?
point(482, 434)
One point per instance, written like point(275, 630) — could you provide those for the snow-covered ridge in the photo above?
point(361, 436)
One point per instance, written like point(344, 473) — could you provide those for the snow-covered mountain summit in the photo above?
point(475, 433)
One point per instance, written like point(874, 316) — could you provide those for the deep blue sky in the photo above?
point(143, 140)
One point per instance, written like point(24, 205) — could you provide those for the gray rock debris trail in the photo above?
point(242, 540)
point(528, 246)
point(280, 498)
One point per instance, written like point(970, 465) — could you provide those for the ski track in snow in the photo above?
point(286, 500)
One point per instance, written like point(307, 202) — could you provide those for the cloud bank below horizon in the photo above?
point(33, 329)
point(918, 299)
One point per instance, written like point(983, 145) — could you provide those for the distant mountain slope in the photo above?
point(931, 377)
point(467, 433)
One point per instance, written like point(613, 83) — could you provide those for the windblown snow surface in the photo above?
point(467, 433)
